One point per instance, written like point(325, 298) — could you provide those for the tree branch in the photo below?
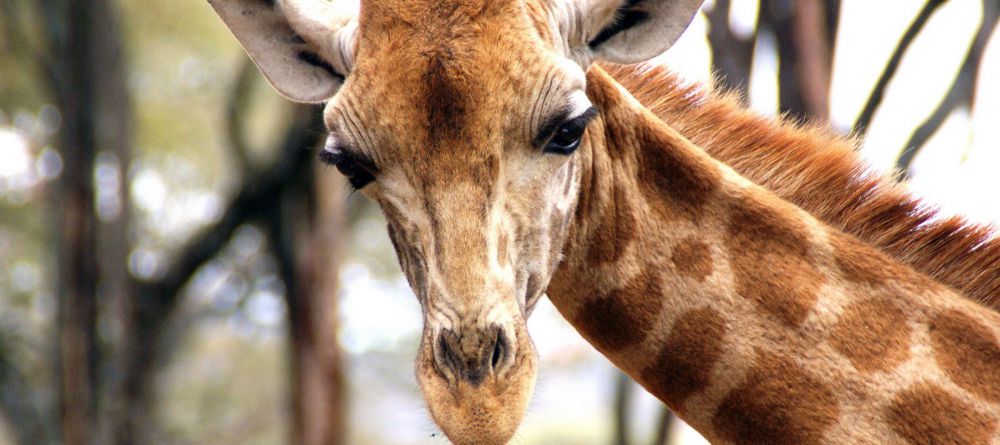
point(247, 204)
point(157, 300)
point(860, 126)
point(732, 56)
point(235, 106)
point(814, 56)
point(961, 93)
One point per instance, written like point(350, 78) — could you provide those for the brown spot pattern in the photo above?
point(676, 182)
point(770, 260)
point(968, 352)
point(445, 99)
point(779, 403)
point(692, 258)
point(855, 263)
point(624, 317)
point(616, 229)
point(862, 264)
point(684, 365)
point(927, 414)
point(873, 335)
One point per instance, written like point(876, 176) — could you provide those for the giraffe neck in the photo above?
point(821, 172)
point(749, 318)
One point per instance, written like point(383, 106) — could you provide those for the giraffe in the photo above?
point(510, 165)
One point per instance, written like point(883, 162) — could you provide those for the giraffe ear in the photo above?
point(623, 31)
point(305, 48)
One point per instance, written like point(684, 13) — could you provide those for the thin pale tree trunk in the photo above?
point(804, 45)
point(732, 55)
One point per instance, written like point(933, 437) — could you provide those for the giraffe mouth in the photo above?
point(477, 384)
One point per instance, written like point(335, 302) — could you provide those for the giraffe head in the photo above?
point(461, 119)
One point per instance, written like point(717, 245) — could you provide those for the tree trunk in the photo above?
point(804, 53)
point(76, 233)
point(308, 251)
point(322, 400)
point(91, 205)
point(860, 127)
point(732, 55)
point(88, 83)
point(116, 288)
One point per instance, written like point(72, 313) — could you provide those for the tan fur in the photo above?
point(821, 172)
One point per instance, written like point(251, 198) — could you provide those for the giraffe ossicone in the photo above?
point(509, 165)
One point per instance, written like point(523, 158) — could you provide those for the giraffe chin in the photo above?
point(484, 414)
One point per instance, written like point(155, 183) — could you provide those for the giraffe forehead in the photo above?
point(447, 16)
point(434, 82)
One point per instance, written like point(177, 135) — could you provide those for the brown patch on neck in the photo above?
point(674, 180)
point(684, 364)
point(820, 172)
point(779, 403)
point(625, 316)
point(860, 263)
point(769, 252)
point(616, 229)
point(927, 414)
point(968, 352)
point(692, 258)
point(874, 335)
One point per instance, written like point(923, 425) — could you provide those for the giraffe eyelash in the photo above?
point(358, 170)
point(565, 137)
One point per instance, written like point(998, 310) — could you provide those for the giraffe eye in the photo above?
point(357, 171)
point(566, 138)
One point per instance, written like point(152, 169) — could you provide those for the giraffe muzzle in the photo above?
point(472, 354)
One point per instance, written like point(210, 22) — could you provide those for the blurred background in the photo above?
point(175, 268)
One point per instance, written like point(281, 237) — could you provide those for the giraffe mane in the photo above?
point(820, 171)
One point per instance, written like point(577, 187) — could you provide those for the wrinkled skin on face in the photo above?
point(465, 120)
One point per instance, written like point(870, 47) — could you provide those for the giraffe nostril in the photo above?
point(500, 349)
point(446, 357)
point(497, 352)
point(471, 355)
